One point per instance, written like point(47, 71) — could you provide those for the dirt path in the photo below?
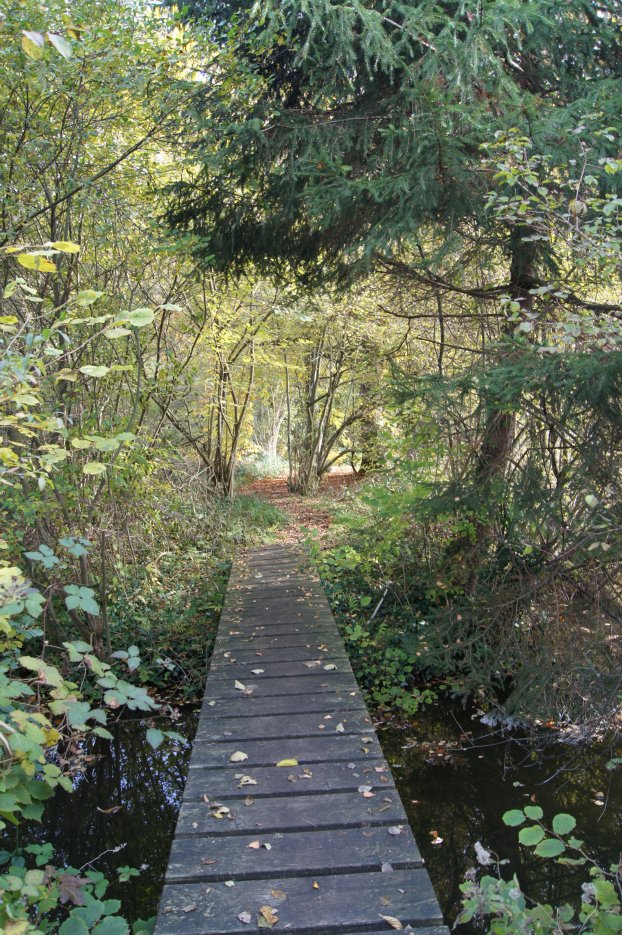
point(305, 512)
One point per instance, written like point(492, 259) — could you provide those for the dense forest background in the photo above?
point(241, 241)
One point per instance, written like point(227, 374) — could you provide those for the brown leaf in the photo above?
point(267, 917)
point(279, 894)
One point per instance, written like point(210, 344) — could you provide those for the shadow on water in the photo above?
point(455, 785)
point(459, 786)
point(127, 796)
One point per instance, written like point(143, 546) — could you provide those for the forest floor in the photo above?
point(313, 514)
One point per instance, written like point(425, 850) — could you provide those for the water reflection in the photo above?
point(463, 796)
point(147, 784)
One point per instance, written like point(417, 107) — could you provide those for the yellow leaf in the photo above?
point(267, 917)
point(34, 261)
point(291, 762)
point(65, 246)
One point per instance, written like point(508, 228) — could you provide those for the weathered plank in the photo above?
point(322, 839)
point(304, 749)
point(217, 727)
point(326, 682)
point(339, 904)
point(319, 852)
point(224, 816)
point(272, 780)
point(325, 702)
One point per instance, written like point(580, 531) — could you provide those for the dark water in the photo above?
point(458, 789)
point(147, 784)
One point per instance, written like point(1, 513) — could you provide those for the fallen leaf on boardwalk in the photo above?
point(393, 922)
point(245, 780)
point(238, 757)
point(340, 728)
point(204, 860)
point(330, 667)
point(365, 791)
point(255, 845)
point(267, 918)
point(239, 686)
point(386, 867)
point(290, 762)
point(396, 829)
point(220, 811)
point(245, 917)
point(366, 739)
point(279, 894)
point(314, 664)
point(258, 671)
point(316, 885)
point(229, 882)
point(211, 703)
point(248, 801)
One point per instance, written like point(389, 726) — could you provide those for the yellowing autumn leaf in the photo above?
point(34, 261)
point(267, 917)
point(290, 762)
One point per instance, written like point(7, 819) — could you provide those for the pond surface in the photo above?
point(452, 784)
point(459, 786)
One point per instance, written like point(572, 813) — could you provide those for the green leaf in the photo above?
point(113, 925)
point(62, 46)
point(563, 823)
point(531, 835)
point(139, 317)
point(105, 444)
point(87, 297)
point(91, 370)
point(94, 467)
point(73, 926)
point(154, 737)
point(513, 818)
point(550, 848)
point(534, 812)
point(32, 44)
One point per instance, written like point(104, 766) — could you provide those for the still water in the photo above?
point(455, 786)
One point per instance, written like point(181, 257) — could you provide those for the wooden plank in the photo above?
point(321, 853)
point(276, 652)
point(339, 904)
point(271, 670)
point(290, 813)
point(253, 706)
point(213, 726)
point(304, 749)
point(273, 780)
point(326, 682)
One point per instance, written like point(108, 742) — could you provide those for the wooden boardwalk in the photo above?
point(317, 845)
